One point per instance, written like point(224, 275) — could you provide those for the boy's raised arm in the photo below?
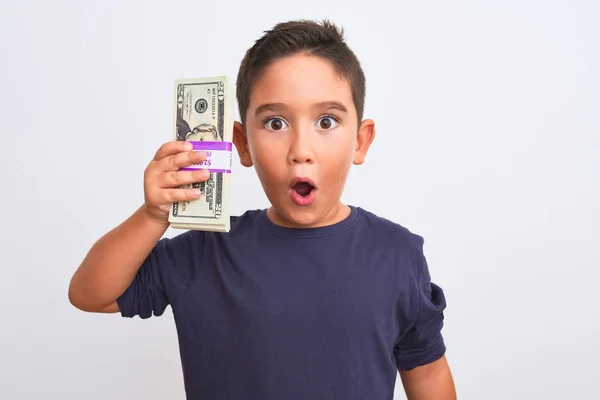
point(113, 261)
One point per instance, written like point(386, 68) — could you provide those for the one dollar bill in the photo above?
point(204, 117)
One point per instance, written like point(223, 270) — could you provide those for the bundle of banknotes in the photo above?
point(204, 117)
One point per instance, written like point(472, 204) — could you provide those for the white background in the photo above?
point(488, 145)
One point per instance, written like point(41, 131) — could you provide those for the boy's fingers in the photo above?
point(177, 178)
point(172, 147)
point(176, 161)
point(176, 195)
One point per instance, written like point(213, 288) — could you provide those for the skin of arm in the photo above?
point(432, 381)
point(113, 261)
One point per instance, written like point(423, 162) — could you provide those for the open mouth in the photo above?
point(303, 188)
point(303, 191)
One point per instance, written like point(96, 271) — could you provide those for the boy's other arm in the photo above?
point(431, 381)
point(420, 353)
point(112, 263)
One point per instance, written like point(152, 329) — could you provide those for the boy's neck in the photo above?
point(337, 214)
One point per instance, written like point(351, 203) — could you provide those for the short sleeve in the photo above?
point(423, 343)
point(152, 289)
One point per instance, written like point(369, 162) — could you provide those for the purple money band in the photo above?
point(216, 170)
point(218, 156)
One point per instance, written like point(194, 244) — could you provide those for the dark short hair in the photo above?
point(322, 39)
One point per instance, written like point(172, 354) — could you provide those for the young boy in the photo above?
point(308, 299)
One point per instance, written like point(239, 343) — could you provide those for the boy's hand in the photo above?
point(162, 178)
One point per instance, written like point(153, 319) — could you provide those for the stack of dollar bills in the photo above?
point(204, 117)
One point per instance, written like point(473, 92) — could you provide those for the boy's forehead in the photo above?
point(300, 81)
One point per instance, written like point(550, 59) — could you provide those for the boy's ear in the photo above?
point(241, 144)
point(364, 138)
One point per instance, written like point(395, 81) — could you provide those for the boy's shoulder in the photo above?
point(378, 225)
point(378, 221)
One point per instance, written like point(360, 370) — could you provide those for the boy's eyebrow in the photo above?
point(336, 105)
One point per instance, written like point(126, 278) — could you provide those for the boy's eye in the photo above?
point(327, 122)
point(275, 124)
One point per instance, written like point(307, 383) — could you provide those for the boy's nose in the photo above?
point(300, 150)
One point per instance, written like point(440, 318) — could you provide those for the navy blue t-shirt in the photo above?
point(266, 312)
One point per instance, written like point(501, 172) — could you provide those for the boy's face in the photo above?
point(302, 135)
